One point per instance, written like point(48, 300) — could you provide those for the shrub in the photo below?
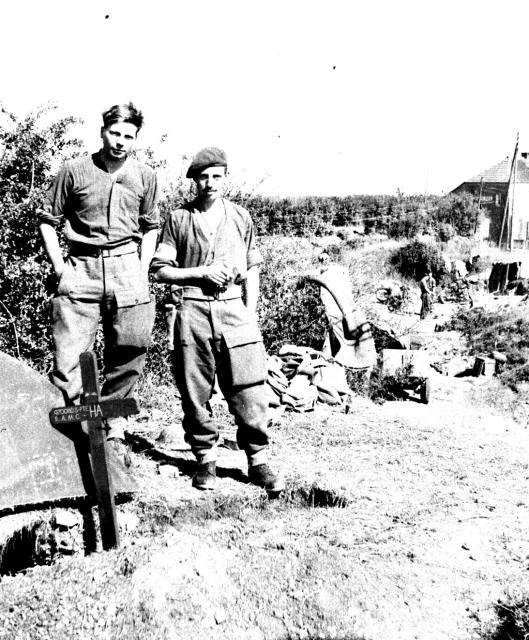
point(445, 231)
point(30, 152)
point(461, 213)
point(506, 331)
point(289, 313)
point(388, 387)
point(409, 222)
point(412, 259)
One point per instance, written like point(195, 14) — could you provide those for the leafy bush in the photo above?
point(289, 313)
point(30, 152)
point(461, 213)
point(413, 259)
point(388, 387)
point(445, 231)
point(506, 331)
point(513, 618)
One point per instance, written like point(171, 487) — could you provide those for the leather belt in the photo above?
point(197, 293)
point(79, 250)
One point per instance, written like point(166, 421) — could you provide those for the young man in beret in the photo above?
point(207, 248)
point(108, 203)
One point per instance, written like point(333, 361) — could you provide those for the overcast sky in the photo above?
point(326, 97)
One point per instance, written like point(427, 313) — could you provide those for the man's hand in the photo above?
point(218, 274)
point(51, 245)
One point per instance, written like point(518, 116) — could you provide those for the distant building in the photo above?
point(493, 184)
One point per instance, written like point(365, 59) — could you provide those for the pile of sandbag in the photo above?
point(298, 377)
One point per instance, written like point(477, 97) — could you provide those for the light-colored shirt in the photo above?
point(101, 209)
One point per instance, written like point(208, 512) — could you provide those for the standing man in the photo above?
point(427, 293)
point(207, 247)
point(108, 203)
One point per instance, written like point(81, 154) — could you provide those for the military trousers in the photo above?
point(111, 288)
point(220, 337)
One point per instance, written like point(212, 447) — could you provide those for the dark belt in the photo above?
point(197, 293)
point(78, 249)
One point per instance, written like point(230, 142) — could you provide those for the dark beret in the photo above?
point(208, 157)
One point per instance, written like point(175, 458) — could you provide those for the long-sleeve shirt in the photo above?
point(101, 209)
point(184, 242)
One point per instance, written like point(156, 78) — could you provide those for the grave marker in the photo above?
point(93, 411)
point(43, 464)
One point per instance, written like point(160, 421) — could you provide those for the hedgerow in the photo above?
point(29, 152)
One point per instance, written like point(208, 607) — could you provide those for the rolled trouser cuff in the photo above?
point(206, 455)
point(259, 457)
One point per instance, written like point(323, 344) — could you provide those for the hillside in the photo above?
point(400, 520)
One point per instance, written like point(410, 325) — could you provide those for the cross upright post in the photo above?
point(98, 448)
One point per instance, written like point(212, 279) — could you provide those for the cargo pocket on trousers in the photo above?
point(246, 354)
point(131, 297)
point(134, 320)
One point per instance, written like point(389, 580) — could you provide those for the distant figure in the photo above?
point(427, 293)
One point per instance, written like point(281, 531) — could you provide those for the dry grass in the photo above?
point(400, 521)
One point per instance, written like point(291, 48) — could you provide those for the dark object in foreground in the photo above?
point(262, 476)
point(205, 478)
point(409, 370)
point(43, 464)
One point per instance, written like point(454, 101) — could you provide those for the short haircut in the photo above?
point(123, 113)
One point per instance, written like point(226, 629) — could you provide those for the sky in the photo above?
point(307, 97)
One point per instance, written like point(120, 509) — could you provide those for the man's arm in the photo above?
point(163, 271)
point(147, 248)
point(214, 274)
point(252, 288)
point(52, 247)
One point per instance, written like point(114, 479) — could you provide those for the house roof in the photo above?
point(500, 172)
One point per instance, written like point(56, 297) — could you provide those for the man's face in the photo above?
point(118, 140)
point(211, 182)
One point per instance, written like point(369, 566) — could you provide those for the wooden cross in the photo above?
point(92, 411)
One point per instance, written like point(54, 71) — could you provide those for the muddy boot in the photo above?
point(262, 476)
point(206, 476)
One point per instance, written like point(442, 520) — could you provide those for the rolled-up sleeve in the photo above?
point(56, 199)
point(166, 253)
point(149, 216)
